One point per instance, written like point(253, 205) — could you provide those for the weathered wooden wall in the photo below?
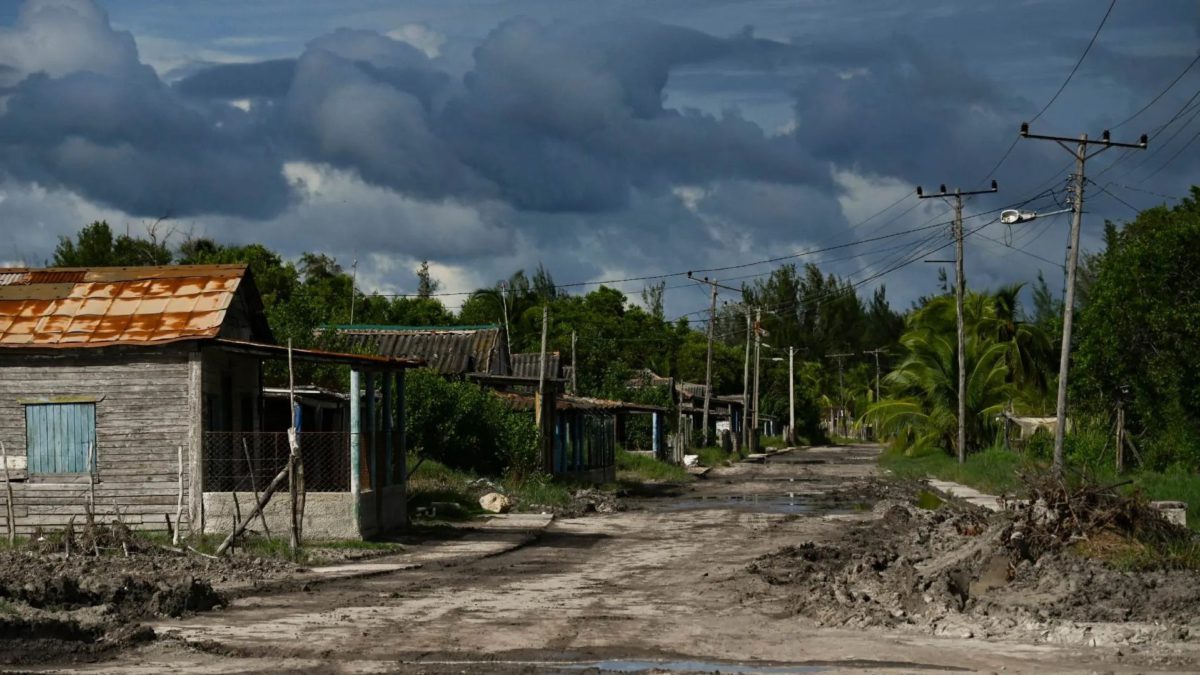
point(141, 420)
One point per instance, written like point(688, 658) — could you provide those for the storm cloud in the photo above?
point(593, 136)
point(550, 119)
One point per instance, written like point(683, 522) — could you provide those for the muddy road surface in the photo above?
point(691, 581)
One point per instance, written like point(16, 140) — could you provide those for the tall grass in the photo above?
point(642, 467)
point(715, 456)
point(997, 470)
point(994, 470)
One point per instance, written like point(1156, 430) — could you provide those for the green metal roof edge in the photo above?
point(367, 326)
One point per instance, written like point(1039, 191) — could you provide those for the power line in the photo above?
point(1154, 153)
point(1162, 93)
point(1173, 157)
point(1077, 63)
point(1020, 250)
point(1144, 191)
point(1186, 108)
point(1105, 191)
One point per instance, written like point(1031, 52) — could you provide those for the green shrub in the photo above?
point(650, 469)
point(463, 426)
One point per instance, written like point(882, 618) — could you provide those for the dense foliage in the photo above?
point(1006, 361)
point(463, 426)
point(1138, 335)
point(614, 338)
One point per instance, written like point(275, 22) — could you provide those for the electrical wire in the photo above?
point(1162, 93)
point(1077, 63)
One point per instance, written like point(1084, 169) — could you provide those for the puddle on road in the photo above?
point(619, 666)
point(788, 502)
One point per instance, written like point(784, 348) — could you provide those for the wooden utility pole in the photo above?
point(1080, 151)
point(841, 384)
point(574, 366)
point(746, 388)
point(541, 391)
point(757, 364)
point(791, 395)
point(503, 288)
point(712, 323)
point(960, 286)
point(876, 352)
point(353, 283)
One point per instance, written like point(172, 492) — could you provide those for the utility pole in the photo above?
point(1080, 151)
point(791, 395)
point(841, 383)
point(876, 352)
point(757, 362)
point(746, 388)
point(712, 322)
point(503, 288)
point(960, 284)
point(574, 366)
point(540, 403)
point(353, 283)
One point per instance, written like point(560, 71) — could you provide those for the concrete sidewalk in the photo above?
point(969, 495)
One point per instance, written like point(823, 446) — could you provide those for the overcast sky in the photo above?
point(606, 139)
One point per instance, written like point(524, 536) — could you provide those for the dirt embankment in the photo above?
point(962, 571)
point(59, 606)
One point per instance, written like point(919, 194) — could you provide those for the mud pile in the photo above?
point(55, 606)
point(963, 571)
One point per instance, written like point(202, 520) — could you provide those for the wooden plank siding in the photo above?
point(141, 418)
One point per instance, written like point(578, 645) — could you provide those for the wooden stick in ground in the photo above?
point(237, 508)
point(254, 487)
point(9, 511)
point(122, 530)
point(179, 504)
point(301, 495)
point(92, 478)
point(262, 503)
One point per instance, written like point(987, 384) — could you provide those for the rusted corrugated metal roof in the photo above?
point(527, 365)
point(450, 350)
point(105, 306)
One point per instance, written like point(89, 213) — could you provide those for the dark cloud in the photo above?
point(270, 79)
point(549, 119)
point(604, 140)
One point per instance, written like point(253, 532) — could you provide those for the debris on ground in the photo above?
point(79, 594)
point(495, 502)
point(591, 500)
point(1043, 570)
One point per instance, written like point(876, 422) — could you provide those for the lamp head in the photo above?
point(1013, 216)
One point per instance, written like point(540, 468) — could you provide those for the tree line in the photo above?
point(1137, 336)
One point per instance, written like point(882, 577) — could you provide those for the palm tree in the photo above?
point(921, 407)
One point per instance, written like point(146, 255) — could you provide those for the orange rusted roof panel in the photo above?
point(107, 306)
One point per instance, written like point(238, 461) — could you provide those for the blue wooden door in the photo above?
point(58, 436)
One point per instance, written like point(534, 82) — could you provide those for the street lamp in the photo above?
point(1014, 216)
point(791, 390)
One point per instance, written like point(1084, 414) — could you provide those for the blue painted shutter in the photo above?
point(58, 436)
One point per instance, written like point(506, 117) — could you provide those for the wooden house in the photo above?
point(143, 386)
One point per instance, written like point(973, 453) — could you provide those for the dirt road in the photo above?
point(662, 585)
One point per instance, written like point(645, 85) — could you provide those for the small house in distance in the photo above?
point(147, 383)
